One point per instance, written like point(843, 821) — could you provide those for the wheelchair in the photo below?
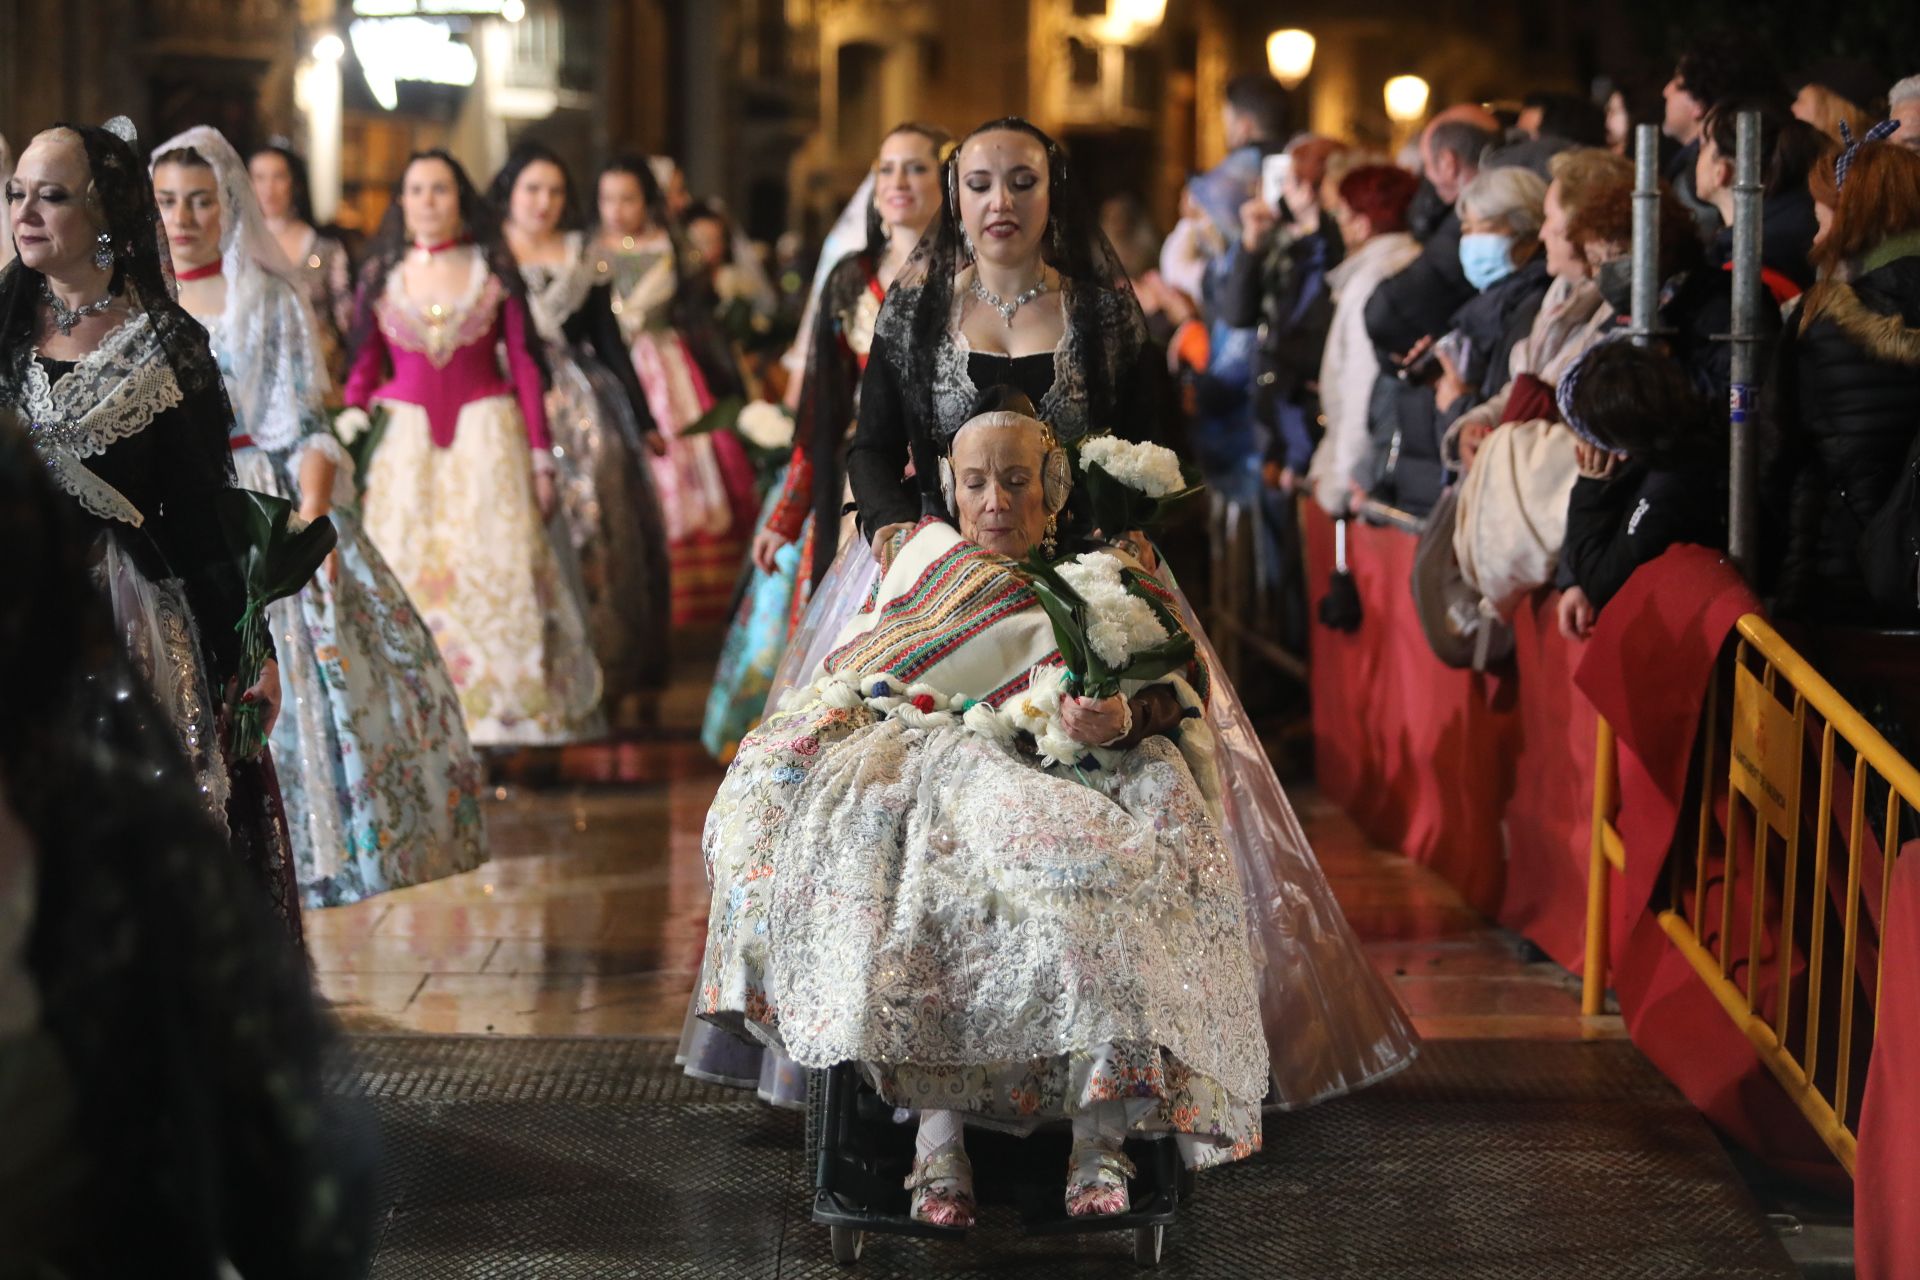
point(859, 1158)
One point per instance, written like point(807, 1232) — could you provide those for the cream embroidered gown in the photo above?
point(450, 504)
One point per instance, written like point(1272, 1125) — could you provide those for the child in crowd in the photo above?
point(1653, 472)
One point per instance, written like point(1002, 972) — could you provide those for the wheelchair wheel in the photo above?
point(1147, 1244)
point(847, 1243)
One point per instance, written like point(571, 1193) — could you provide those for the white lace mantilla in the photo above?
point(269, 360)
point(556, 292)
point(112, 393)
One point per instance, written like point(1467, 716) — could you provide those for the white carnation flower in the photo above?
point(988, 723)
point(351, 424)
point(1150, 468)
point(765, 424)
point(1056, 746)
point(1119, 623)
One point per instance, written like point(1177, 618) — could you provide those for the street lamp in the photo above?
point(1128, 20)
point(1406, 99)
point(1290, 55)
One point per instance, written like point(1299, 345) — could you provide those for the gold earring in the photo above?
point(1049, 541)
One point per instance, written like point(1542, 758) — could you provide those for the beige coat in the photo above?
point(1349, 367)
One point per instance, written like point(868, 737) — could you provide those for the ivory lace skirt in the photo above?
point(462, 533)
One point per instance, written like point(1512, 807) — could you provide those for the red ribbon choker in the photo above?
point(199, 273)
point(443, 246)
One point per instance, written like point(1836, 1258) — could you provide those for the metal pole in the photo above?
point(1743, 507)
point(1646, 232)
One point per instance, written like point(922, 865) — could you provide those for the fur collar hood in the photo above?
point(1880, 310)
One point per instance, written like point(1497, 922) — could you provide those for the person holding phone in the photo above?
point(1277, 284)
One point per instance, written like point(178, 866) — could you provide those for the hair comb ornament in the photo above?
point(1844, 161)
point(122, 128)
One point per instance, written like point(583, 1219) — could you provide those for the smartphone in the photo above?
point(1275, 170)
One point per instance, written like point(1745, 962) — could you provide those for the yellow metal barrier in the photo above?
point(1778, 701)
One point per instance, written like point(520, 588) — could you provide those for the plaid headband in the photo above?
point(1885, 129)
point(1569, 387)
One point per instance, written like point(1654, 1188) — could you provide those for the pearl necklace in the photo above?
point(1007, 309)
point(65, 318)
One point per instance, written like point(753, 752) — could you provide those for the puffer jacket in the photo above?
point(1845, 406)
point(1420, 301)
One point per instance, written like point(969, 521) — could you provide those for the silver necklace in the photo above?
point(65, 317)
point(1007, 309)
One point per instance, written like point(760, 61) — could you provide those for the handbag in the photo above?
point(1461, 627)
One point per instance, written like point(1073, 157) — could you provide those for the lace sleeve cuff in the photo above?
point(328, 446)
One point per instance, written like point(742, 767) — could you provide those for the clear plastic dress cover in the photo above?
point(1332, 1025)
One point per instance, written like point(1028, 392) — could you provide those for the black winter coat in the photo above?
point(1845, 406)
point(1618, 524)
point(1421, 300)
point(1283, 295)
point(1406, 423)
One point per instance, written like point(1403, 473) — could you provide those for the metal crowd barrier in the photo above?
point(1779, 706)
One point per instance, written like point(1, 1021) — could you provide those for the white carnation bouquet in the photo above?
point(1107, 626)
point(1132, 485)
point(766, 425)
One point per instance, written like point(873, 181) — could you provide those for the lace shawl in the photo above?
point(645, 285)
point(438, 332)
point(556, 293)
point(112, 393)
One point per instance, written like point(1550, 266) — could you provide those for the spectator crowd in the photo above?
point(1444, 340)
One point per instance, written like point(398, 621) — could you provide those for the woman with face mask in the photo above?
point(381, 786)
point(1695, 299)
point(804, 512)
point(460, 490)
point(131, 418)
point(705, 480)
point(1500, 215)
point(604, 433)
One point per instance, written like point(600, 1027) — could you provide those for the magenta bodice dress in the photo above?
point(450, 504)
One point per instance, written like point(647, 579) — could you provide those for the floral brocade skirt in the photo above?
point(162, 640)
point(756, 640)
point(462, 533)
point(380, 782)
point(705, 482)
point(984, 936)
point(613, 518)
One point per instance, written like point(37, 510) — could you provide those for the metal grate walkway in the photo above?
point(540, 1159)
